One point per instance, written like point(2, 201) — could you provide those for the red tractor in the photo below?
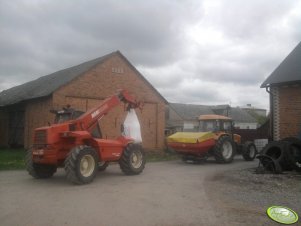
point(75, 142)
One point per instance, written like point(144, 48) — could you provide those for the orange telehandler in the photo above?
point(75, 142)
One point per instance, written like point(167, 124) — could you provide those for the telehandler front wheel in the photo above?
point(132, 161)
point(81, 165)
point(38, 171)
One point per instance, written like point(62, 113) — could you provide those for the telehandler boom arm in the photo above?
point(88, 120)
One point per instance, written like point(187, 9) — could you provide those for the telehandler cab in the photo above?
point(75, 142)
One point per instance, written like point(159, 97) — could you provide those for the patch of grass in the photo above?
point(160, 156)
point(12, 159)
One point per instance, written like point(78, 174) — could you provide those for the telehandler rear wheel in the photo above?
point(224, 150)
point(38, 171)
point(81, 165)
point(132, 161)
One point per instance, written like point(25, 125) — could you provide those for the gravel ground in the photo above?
point(165, 194)
point(244, 195)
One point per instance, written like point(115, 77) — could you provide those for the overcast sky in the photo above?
point(203, 52)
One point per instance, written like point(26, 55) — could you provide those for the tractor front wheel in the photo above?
point(224, 150)
point(38, 171)
point(81, 165)
point(132, 161)
point(249, 151)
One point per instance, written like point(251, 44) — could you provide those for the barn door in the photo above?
point(16, 128)
point(148, 123)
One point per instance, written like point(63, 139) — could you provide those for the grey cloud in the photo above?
point(196, 96)
point(248, 19)
point(40, 37)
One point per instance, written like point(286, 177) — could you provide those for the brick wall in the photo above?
point(36, 115)
point(289, 111)
point(89, 89)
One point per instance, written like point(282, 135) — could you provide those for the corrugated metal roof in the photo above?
point(240, 115)
point(288, 71)
point(191, 111)
point(46, 85)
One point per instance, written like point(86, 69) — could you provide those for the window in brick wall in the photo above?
point(117, 70)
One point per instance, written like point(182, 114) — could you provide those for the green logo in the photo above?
point(282, 214)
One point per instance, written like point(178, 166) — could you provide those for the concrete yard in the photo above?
point(165, 194)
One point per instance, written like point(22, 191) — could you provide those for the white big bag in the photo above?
point(132, 126)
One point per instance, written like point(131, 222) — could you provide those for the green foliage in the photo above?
point(259, 118)
point(11, 159)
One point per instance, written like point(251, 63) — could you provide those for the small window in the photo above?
point(117, 70)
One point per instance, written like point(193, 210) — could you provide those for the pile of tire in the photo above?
point(283, 155)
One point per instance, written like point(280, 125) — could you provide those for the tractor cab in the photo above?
point(215, 123)
point(66, 114)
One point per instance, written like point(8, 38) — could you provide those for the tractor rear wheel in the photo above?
point(132, 161)
point(38, 171)
point(81, 165)
point(224, 150)
point(249, 151)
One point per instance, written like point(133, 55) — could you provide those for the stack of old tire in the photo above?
point(283, 155)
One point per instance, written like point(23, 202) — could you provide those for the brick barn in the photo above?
point(27, 106)
point(284, 87)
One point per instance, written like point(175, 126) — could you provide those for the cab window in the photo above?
point(60, 118)
point(227, 125)
point(208, 126)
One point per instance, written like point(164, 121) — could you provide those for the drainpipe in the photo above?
point(268, 89)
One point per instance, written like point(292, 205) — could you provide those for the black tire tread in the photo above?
point(70, 165)
point(38, 171)
point(124, 161)
point(282, 159)
point(246, 151)
point(291, 159)
point(217, 150)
